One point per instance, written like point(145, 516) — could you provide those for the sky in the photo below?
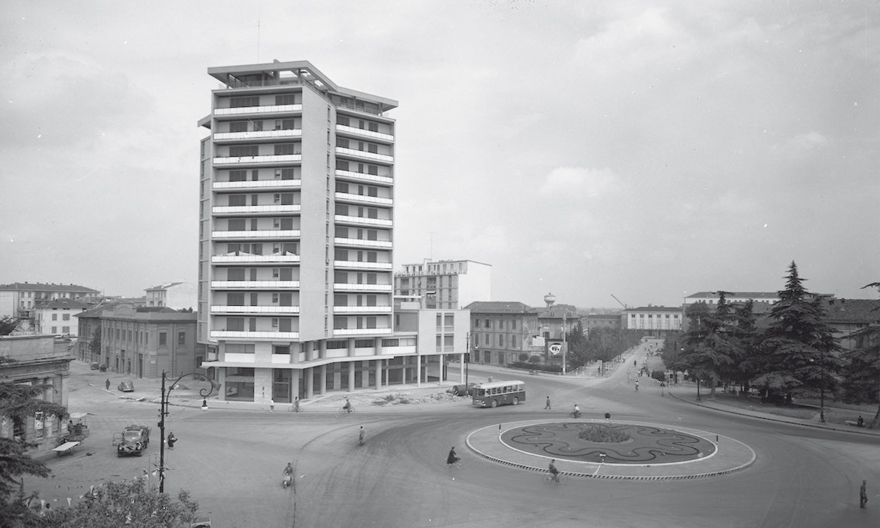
point(646, 150)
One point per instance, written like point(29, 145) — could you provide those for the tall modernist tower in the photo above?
point(296, 235)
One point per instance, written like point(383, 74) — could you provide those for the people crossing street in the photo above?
point(547, 406)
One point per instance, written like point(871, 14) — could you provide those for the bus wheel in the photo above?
point(516, 401)
point(494, 403)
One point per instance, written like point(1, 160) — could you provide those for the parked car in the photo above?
point(95, 366)
point(126, 386)
point(462, 389)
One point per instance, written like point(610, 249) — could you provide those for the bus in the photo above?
point(497, 393)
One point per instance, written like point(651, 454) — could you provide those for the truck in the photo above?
point(133, 440)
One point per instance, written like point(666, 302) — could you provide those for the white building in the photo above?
point(657, 319)
point(176, 295)
point(58, 317)
point(445, 284)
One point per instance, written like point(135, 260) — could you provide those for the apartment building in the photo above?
point(296, 234)
point(445, 284)
point(503, 332)
point(20, 299)
point(57, 317)
point(176, 295)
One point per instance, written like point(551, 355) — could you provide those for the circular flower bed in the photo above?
point(603, 434)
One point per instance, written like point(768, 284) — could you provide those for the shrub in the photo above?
point(602, 434)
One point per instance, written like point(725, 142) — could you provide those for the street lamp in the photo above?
point(163, 412)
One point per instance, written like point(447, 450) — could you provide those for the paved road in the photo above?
point(231, 462)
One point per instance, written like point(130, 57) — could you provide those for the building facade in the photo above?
point(445, 284)
point(143, 342)
point(20, 299)
point(38, 360)
point(296, 237)
point(503, 332)
point(57, 317)
point(655, 319)
point(176, 295)
point(613, 321)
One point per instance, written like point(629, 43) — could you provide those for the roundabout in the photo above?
point(618, 450)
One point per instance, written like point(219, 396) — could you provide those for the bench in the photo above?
point(854, 423)
point(66, 448)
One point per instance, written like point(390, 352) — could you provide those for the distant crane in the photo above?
point(625, 307)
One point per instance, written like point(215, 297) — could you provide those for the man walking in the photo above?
point(107, 384)
point(863, 494)
point(547, 406)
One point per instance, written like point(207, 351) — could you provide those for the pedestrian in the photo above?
point(271, 405)
point(296, 404)
point(547, 406)
point(107, 384)
point(860, 421)
point(863, 494)
point(361, 436)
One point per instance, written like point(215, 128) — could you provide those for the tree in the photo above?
point(18, 402)
point(95, 343)
point(132, 503)
point(798, 350)
point(862, 372)
point(8, 325)
point(710, 347)
point(577, 347)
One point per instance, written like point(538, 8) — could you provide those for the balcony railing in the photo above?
point(236, 334)
point(350, 264)
point(360, 331)
point(379, 136)
point(361, 309)
point(255, 209)
point(259, 184)
point(247, 258)
point(340, 287)
point(254, 285)
point(264, 233)
point(369, 156)
point(242, 160)
point(257, 134)
point(360, 176)
point(359, 220)
point(271, 309)
point(269, 109)
point(360, 198)
point(357, 242)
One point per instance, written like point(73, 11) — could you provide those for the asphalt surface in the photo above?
point(230, 460)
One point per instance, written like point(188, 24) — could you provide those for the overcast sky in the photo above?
point(648, 150)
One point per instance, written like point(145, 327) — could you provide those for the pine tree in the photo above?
point(798, 350)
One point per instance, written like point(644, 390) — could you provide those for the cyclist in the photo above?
point(452, 458)
point(554, 473)
point(576, 412)
point(287, 475)
point(347, 406)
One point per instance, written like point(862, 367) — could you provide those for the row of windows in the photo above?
point(257, 126)
point(280, 100)
point(651, 316)
point(144, 337)
point(500, 324)
point(502, 339)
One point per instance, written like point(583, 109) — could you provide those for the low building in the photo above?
point(655, 320)
point(19, 299)
point(144, 342)
point(503, 332)
point(38, 360)
point(848, 316)
point(57, 317)
point(613, 321)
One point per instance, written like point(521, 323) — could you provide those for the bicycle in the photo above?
point(345, 410)
point(456, 464)
point(558, 479)
point(575, 414)
point(295, 408)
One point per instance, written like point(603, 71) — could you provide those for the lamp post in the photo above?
point(163, 412)
point(822, 388)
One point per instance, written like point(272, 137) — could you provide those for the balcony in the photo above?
point(231, 137)
point(235, 334)
point(340, 332)
point(357, 310)
point(264, 310)
point(364, 156)
point(348, 287)
point(248, 258)
point(357, 242)
point(361, 221)
point(366, 134)
point(258, 110)
point(366, 178)
point(255, 285)
point(254, 209)
point(270, 234)
point(350, 264)
point(362, 199)
point(258, 160)
point(259, 185)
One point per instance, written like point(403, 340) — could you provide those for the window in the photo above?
point(163, 338)
point(54, 329)
point(284, 149)
point(181, 338)
point(65, 317)
point(238, 126)
point(54, 316)
point(244, 150)
point(237, 175)
point(285, 99)
point(241, 102)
